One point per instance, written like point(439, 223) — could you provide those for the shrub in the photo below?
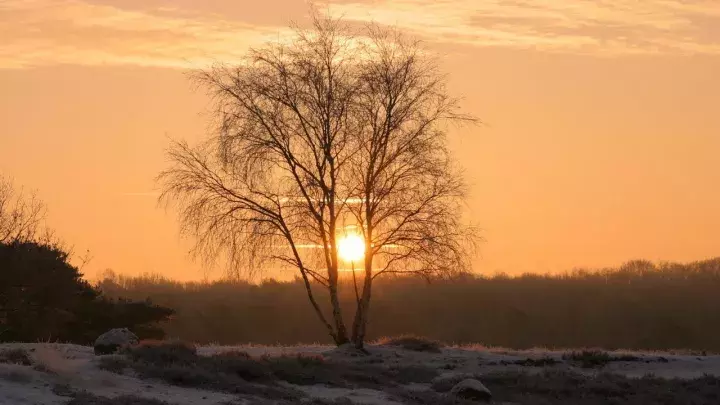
point(15, 356)
point(113, 363)
point(163, 352)
point(238, 364)
point(541, 362)
point(43, 296)
point(596, 358)
point(177, 363)
point(236, 372)
point(85, 398)
point(413, 343)
point(564, 387)
point(415, 397)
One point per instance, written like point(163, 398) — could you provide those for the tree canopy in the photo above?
point(336, 132)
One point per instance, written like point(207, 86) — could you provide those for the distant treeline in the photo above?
point(639, 305)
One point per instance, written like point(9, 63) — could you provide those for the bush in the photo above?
point(15, 356)
point(530, 362)
point(177, 363)
point(163, 352)
point(43, 296)
point(237, 372)
point(414, 397)
point(114, 363)
point(85, 398)
point(413, 343)
point(596, 358)
point(564, 387)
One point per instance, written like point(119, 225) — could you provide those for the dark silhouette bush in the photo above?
point(239, 373)
point(596, 358)
point(15, 356)
point(84, 398)
point(413, 343)
point(163, 352)
point(564, 387)
point(541, 362)
point(43, 297)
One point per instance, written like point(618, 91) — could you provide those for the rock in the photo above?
point(471, 389)
point(446, 381)
point(110, 341)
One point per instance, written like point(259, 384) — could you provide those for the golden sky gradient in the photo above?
point(601, 143)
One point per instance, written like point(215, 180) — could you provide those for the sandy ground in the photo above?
point(59, 365)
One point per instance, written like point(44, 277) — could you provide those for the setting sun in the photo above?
point(351, 248)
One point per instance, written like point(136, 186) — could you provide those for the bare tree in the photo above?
point(21, 213)
point(409, 192)
point(329, 128)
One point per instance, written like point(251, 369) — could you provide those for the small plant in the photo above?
point(43, 368)
point(237, 364)
point(163, 352)
point(64, 390)
point(234, 354)
point(541, 362)
point(568, 387)
point(113, 363)
point(84, 398)
point(417, 397)
point(306, 360)
point(15, 356)
point(413, 343)
point(589, 358)
point(596, 358)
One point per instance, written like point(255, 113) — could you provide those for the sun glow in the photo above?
point(351, 248)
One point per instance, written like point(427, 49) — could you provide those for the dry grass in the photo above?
point(568, 388)
point(596, 358)
point(85, 398)
point(413, 343)
point(16, 356)
point(555, 388)
point(238, 372)
point(157, 351)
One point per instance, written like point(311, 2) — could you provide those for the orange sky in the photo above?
point(602, 141)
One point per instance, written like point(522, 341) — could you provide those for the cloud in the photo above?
point(47, 32)
point(51, 32)
point(599, 27)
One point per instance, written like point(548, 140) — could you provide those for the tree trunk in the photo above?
point(363, 307)
point(317, 309)
point(340, 330)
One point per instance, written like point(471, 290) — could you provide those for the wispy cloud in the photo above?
point(605, 27)
point(50, 32)
point(45, 32)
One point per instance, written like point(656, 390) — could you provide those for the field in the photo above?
point(394, 372)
